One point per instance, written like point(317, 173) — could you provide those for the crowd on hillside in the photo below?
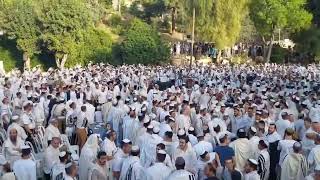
point(136, 122)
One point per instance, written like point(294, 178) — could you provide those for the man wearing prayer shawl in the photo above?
point(242, 149)
point(88, 154)
point(295, 166)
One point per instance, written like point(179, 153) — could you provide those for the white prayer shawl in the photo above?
point(131, 169)
point(158, 171)
point(50, 132)
point(105, 110)
point(254, 141)
point(181, 175)
point(130, 128)
point(183, 122)
point(51, 156)
point(90, 113)
point(97, 172)
point(201, 165)
point(189, 156)
point(21, 132)
point(88, 154)
point(294, 167)
point(243, 152)
point(25, 169)
point(38, 114)
point(10, 150)
point(264, 164)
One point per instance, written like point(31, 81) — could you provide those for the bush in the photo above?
point(278, 54)
point(142, 44)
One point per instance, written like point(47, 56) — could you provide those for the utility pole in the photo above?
point(192, 37)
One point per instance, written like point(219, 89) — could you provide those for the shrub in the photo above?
point(142, 44)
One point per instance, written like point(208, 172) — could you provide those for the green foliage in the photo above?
point(278, 54)
point(116, 23)
point(9, 54)
point(224, 25)
point(96, 47)
point(63, 25)
point(143, 45)
point(270, 15)
point(308, 41)
point(19, 21)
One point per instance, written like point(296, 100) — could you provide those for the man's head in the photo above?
point(180, 163)
point(205, 156)
point(263, 144)
point(183, 142)
point(54, 122)
point(83, 108)
point(64, 157)
point(102, 158)
point(126, 146)
point(135, 151)
point(13, 133)
point(112, 135)
point(288, 134)
point(297, 147)
point(161, 156)
point(209, 170)
point(55, 142)
point(229, 164)
point(251, 165)
point(272, 128)
point(71, 169)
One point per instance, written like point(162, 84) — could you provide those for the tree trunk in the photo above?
point(173, 23)
point(57, 61)
point(26, 61)
point(63, 61)
point(269, 49)
point(219, 57)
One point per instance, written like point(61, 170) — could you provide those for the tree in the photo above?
point(19, 22)
point(143, 45)
point(271, 15)
point(217, 21)
point(314, 7)
point(63, 25)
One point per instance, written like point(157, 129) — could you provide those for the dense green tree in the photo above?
point(63, 25)
point(18, 20)
point(142, 44)
point(271, 15)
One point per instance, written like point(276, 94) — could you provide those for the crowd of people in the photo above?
point(136, 122)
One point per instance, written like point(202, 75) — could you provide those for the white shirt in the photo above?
point(25, 169)
point(10, 150)
point(282, 125)
point(158, 171)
